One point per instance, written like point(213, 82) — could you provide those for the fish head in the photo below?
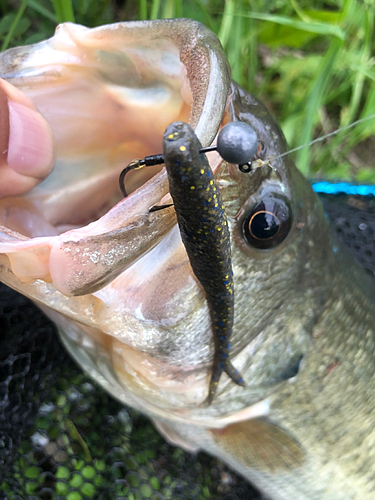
point(281, 279)
point(114, 276)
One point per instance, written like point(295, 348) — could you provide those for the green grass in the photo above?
point(311, 62)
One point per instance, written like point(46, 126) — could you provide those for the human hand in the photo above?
point(27, 152)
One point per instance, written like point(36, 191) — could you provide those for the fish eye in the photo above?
point(268, 222)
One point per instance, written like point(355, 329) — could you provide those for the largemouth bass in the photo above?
point(117, 281)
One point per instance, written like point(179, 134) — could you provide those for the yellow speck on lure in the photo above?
point(205, 234)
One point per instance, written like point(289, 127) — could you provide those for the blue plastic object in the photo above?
point(325, 187)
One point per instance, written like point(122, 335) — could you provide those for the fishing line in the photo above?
point(237, 143)
point(320, 139)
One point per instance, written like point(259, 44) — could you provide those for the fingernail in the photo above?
point(31, 148)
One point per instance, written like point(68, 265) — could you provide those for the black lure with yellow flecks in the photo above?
point(205, 234)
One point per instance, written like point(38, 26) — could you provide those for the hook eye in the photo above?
point(245, 167)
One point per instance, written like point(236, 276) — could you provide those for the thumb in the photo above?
point(26, 143)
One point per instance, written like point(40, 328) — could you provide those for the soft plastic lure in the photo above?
point(205, 234)
point(202, 221)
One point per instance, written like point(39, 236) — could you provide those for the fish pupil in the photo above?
point(264, 225)
point(268, 222)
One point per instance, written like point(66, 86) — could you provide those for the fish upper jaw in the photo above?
point(99, 88)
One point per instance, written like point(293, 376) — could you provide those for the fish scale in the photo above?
point(204, 231)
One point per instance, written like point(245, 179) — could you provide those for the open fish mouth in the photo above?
point(109, 94)
point(114, 276)
point(72, 244)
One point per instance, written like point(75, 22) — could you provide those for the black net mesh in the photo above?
point(62, 437)
point(353, 218)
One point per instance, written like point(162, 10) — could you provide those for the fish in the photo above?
point(117, 281)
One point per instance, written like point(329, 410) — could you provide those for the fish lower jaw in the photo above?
point(129, 376)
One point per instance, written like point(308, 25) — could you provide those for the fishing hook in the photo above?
point(237, 143)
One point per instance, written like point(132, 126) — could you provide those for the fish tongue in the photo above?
point(23, 216)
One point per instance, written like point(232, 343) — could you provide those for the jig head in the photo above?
point(237, 143)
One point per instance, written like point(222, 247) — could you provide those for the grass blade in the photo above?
point(314, 101)
point(64, 11)
point(364, 56)
point(155, 9)
point(40, 9)
point(324, 29)
point(14, 24)
point(226, 23)
point(169, 9)
point(143, 9)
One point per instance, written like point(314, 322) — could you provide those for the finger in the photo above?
point(27, 151)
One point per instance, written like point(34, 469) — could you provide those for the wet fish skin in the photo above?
point(205, 235)
point(315, 441)
point(303, 337)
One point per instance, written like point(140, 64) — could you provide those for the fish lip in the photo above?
point(199, 51)
point(198, 46)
